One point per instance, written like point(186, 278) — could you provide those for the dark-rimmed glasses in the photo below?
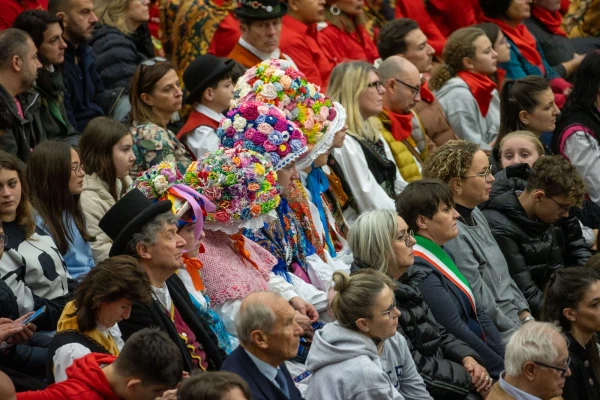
point(563, 371)
point(377, 85)
point(564, 208)
point(415, 89)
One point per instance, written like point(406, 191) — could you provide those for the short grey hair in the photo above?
point(149, 233)
point(255, 316)
point(532, 342)
point(389, 68)
point(371, 238)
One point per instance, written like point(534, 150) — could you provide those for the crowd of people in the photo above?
point(265, 199)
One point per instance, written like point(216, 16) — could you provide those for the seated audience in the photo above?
point(31, 266)
point(465, 168)
point(46, 32)
point(260, 24)
point(417, 11)
point(537, 364)
point(18, 70)
point(578, 131)
point(155, 96)
point(402, 37)
point(116, 52)
point(300, 39)
point(361, 355)
point(521, 221)
point(428, 207)
point(220, 385)
point(148, 232)
point(55, 178)
point(381, 240)
point(570, 299)
point(365, 161)
point(106, 152)
point(85, 96)
point(501, 47)
point(526, 54)
point(344, 37)
point(402, 92)
point(88, 323)
point(269, 335)
point(103, 376)
point(464, 89)
point(519, 147)
point(208, 80)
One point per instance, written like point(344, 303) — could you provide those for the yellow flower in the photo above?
point(259, 169)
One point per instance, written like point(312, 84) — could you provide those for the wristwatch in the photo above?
point(527, 319)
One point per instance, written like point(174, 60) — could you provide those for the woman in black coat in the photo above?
point(450, 368)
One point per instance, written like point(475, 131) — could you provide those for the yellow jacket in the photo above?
point(405, 160)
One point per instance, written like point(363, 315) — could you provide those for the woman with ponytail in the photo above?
point(464, 89)
point(572, 299)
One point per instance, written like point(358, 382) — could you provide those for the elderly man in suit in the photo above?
point(269, 335)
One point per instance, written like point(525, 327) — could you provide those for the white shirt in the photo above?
point(204, 138)
point(517, 393)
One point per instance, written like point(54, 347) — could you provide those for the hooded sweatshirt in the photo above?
point(346, 366)
point(464, 116)
point(85, 381)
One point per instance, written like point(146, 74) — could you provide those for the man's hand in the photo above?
point(479, 376)
point(305, 308)
point(305, 324)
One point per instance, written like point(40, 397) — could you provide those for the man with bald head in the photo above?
point(402, 83)
point(269, 335)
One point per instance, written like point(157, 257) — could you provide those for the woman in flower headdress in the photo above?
point(243, 186)
point(322, 122)
point(265, 129)
point(165, 182)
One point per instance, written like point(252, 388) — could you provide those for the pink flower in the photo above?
point(250, 112)
point(269, 147)
point(250, 132)
point(263, 109)
point(230, 131)
point(275, 112)
point(324, 112)
point(280, 126)
point(309, 123)
point(283, 149)
point(264, 128)
point(296, 134)
point(259, 138)
point(285, 81)
point(332, 114)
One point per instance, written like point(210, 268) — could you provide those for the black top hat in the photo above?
point(128, 216)
point(203, 72)
point(261, 9)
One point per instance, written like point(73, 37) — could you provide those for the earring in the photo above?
point(335, 10)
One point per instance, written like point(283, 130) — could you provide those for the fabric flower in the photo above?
point(276, 138)
point(225, 123)
point(230, 132)
point(259, 138)
point(161, 184)
point(283, 149)
point(264, 128)
point(268, 91)
point(250, 112)
point(239, 122)
point(280, 125)
point(285, 81)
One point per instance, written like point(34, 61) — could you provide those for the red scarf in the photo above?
point(401, 125)
point(500, 75)
point(524, 41)
point(551, 20)
point(193, 267)
point(426, 94)
point(481, 87)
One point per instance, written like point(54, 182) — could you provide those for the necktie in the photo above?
point(282, 383)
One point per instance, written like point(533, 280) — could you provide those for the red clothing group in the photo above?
point(10, 9)
point(342, 46)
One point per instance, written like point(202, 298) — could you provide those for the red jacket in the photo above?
point(12, 8)
point(85, 380)
point(299, 41)
point(226, 37)
point(340, 46)
point(452, 15)
point(415, 10)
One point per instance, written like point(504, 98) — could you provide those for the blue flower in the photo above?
point(227, 142)
point(276, 138)
point(245, 214)
point(261, 119)
point(278, 86)
point(220, 133)
point(296, 145)
point(275, 159)
point(271, 120)
point(257, 84)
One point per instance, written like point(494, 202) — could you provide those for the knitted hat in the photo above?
point(164, 182)
point(265, 129)
point(277, 82)
point(241, 183)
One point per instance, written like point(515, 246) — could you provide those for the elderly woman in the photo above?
point(88, 323)
point(428, 207)
point(465, 168)
point(381, 240)
point(361, 355)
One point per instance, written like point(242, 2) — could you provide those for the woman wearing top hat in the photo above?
point(148, 232)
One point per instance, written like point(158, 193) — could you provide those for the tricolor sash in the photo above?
point(437, 257)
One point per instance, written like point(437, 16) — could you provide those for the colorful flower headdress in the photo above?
point(277, 82)
point(241, 183)
point(265, 129)
point(164, 182)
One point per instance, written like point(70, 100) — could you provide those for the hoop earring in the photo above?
point(335, 10)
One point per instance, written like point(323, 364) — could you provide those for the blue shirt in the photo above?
point(266, 369)
point(518, 394)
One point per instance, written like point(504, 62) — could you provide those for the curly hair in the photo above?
point(459, 45)
point(452, 160)
point(556, 176)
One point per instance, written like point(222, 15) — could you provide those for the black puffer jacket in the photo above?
point(533, 249)
point(116, 56)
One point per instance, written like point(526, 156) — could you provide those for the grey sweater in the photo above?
point(557, 49)
point(481, 261)
point(347, 366)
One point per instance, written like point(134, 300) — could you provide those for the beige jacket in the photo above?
point(95, 201)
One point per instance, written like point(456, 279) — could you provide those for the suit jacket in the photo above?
point(261, 387)
point(152, 315)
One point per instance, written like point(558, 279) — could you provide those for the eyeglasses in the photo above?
point(77, 168)
point(377, 85)
point(563, 371)
point(564, 208)
point(406, 237)
point(483, 174)
point(389, 311)
point(416, 90)
point(3, 240)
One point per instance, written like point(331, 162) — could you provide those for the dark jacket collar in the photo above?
point(26, 99)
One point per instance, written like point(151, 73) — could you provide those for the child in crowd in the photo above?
point(214, 386)
point(209, 82)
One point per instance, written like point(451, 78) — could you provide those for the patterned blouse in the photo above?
point(153, 144)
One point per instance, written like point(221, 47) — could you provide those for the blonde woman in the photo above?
point(365, 160)
point(117, 47)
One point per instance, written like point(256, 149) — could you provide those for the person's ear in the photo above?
point(63, 17)
point(16, 63)
point(132, 384)
point(389, 85)
point(363, 325)
point(146, 98)
point(259, 339)
point(244, 29)
point(293, 5)
point(456, 185)
point(570, 314)
point(422, 222)
point(539, 195)
point(529, 369)
point(468, 63)
point(143, 251)
point(209, 94)
point(524, 117)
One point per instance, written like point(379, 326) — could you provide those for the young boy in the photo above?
point(208, 81)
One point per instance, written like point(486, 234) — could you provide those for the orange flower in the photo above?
point(255, 210)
